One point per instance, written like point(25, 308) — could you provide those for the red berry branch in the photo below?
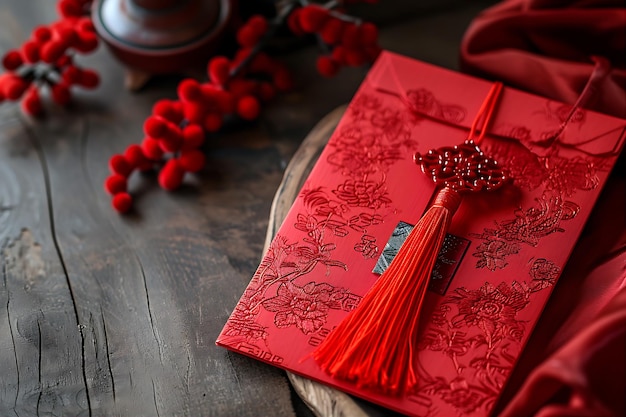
point(46, 59)
point(346, 40)
point(176, 129)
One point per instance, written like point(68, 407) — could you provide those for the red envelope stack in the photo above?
point(504, 253)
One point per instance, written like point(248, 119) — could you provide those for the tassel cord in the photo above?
point(375, 346)
point(485, 113)
point(376, 330)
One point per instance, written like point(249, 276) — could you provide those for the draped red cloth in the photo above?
point(573, 51)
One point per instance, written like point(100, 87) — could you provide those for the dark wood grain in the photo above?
point(102, 314)
point(110, 315)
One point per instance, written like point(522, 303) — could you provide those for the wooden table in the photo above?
point(102, 314)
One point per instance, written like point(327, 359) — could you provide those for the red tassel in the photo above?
point(375, 346)
point(383, 330)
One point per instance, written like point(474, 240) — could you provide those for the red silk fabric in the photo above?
point(546, 47)
point(571, 51)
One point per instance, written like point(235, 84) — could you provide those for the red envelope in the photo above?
point(504, 252)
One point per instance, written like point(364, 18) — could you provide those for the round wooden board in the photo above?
point(324, 401)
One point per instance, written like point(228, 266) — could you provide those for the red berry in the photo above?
point(326, 66)
point(355, 57)
point(42, 34)
point(240, 87)
point(122, 202)
point(312, 18)
point(248, 108)
point(261, 63)
point(258, 23)
point(115, 184)
point(66, 36)
point(189, 90)
point(87, 41)
point(155, 126)
point(151, 149)
point(212, 122)
point(293, 22)
point(31, 104)
point(192, 161)
point(171, 176)
point(332, 31)
point(89, 78)
point(118, 164)
point(225, 101)
point(369, 34)
point(70, 8)
point(85, 25)
point(339, 54)
point(240, 56)
point(167, 110)
point(135, 156)
point(14, 87)
point(63, 62)
point(31, 51)
point(51, 51)
point(193, 137)
point(351, 37)
point(60, 94)
point(71, 75)
point(194, 112)
point(173, 131)
point(171, 142)
point(247, 37)
point(209, 92)
point(177, 106)
point(219, 70)
point(12, 60)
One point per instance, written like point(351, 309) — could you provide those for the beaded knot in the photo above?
point(462, 168)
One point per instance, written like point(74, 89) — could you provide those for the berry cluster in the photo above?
point(346, 40)
point(175, 130)
point(47, 59)
point(235, 88)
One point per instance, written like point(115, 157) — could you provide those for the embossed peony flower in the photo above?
point(421, 100)
point(463, 396)
point(490, 308)
point(387, 119)
point(363, 104)
point(544, 273)
point(304, 307)
point(492, 253)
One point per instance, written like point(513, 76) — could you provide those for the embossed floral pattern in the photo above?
point(476, 330)
point(422, 101)
point(560, 177)
point(528, 227)
point(544, 274)
point(304, 307)
point(359, 193)
point(492, 309)
point(362, 151)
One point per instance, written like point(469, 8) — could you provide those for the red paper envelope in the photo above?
point(503, 255)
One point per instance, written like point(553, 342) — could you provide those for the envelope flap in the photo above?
point(453, 98)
